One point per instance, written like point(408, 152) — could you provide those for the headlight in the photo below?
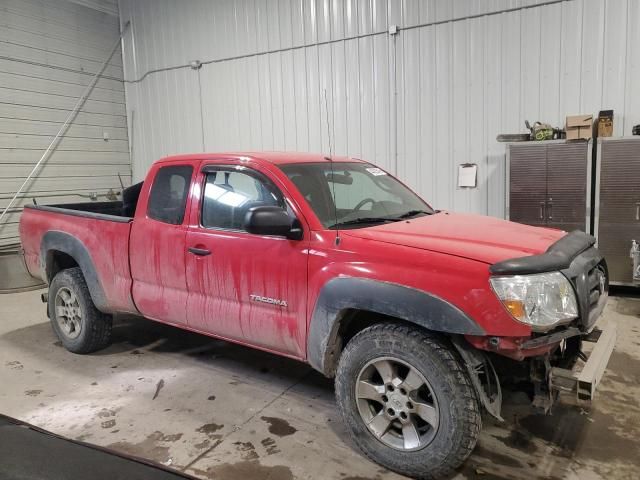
point(540, 300)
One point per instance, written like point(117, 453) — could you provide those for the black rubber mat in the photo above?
point(30, 453)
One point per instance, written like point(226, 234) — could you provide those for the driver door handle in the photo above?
point(201, 252)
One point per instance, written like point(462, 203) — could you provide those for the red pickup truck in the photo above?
point(417, 313)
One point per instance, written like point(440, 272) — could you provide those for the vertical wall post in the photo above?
point(393, 107)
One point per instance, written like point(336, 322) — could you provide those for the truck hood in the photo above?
point(485, 239)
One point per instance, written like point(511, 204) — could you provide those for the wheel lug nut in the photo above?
point(409, 405)
point(391, 412)
point(403, 415)
point(385, 399)
point(403, 391)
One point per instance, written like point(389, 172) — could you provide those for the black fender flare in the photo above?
point(342, 294)
point(63, 242)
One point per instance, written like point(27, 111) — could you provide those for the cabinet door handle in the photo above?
point(637, 210)
point(550, 214)
point(541, 210)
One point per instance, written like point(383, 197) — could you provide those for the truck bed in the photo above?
point(99, 231)
point(115, 211)
point(112, 211)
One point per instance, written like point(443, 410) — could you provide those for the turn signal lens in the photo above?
point(515, 308)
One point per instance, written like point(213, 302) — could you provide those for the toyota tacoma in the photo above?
point(419, 314)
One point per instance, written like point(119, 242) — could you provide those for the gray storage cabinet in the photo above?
point(617, 211)
point(548, 184)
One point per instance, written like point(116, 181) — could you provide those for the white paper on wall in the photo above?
point(467, 175)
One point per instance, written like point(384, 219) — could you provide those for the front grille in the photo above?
point(597, 287)
point(589, 275)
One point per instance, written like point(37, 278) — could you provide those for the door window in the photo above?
point(168, 197)
point(229, 194)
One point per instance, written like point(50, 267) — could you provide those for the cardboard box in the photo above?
point(579, 126)
point(605, 123)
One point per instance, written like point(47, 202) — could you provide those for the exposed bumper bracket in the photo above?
point(584, 383)
point(478, 365)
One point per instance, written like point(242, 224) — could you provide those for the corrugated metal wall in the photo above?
point(49, 51)
point(417, 103)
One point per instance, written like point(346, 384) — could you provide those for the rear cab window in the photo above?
point(169, 192)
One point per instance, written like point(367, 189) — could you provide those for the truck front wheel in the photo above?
point(79, 325)
point(407, 401)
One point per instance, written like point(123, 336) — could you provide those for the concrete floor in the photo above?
point(217, 410)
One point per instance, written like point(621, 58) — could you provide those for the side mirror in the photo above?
point(269, 220)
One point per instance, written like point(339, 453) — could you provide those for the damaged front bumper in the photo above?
point(549, 361)
point(584, 381)
point(550, 374)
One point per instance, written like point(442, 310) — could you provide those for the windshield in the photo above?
point(354, 195)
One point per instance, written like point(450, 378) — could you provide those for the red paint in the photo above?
point(447, 255)
point(510, 346)
point(476, 237)
point(158, 260)
point(242, 264)
point(106, 242)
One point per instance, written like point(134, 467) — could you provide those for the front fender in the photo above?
point(343, 294)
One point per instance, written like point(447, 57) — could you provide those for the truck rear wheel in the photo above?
point(79, 325)
point(407, 401)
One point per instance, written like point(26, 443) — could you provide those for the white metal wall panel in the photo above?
point(49, 51)
point(632, 99)
point(464, 72)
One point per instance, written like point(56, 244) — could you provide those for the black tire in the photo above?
point(94, 332)
point(459, 420)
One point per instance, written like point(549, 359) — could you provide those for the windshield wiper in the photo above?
point(363, 220)
point(413, 213)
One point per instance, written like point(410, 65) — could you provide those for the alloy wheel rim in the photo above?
point(68, 313)
point(397, 404)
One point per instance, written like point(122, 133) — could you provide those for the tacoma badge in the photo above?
point(272, 301)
